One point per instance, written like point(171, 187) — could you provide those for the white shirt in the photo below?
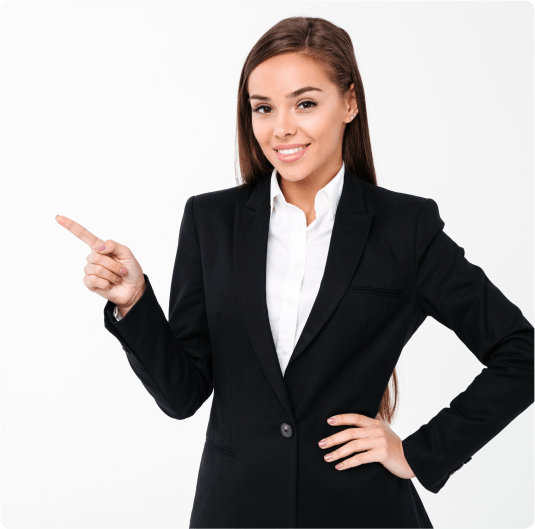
point(296, 257)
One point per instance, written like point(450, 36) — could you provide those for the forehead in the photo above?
point(284, 73)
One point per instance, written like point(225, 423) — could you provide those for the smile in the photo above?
point(292, 155)
point(291, 151)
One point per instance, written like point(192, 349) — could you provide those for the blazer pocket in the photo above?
point(379, 291)
point(221, 448)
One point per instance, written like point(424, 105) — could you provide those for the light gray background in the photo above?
point(115, 113)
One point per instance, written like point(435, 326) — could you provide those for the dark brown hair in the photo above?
point(331, 47)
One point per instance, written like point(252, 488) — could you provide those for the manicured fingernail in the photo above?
point(322, 443)
point(328, 457)
point(118, 280)
point(123, 270)
point(339, 466)
point(100, 248)
point(332, 420)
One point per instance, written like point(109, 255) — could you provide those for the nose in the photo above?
point(284, 124)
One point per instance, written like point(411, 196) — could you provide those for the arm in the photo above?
point(459, 295)
point(173, 359)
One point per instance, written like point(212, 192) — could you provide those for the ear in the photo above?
point(351, 101)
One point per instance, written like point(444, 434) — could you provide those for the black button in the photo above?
point(286, 430)
point(461, 465)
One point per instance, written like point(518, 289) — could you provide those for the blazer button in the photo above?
point(286, 430)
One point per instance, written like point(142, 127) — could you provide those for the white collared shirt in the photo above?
point(296, 257)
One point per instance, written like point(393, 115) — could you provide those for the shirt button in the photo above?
point(286, 430)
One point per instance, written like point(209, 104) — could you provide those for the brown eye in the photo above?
point(313, 103)
point(257, 109)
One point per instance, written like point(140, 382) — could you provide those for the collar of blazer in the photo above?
point(251, 228)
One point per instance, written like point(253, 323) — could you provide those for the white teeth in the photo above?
point(291, 151)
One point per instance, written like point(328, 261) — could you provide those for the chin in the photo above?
point(294, 174)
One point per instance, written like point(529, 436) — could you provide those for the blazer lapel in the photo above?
point(251, 229)
point(351, 227)
point(250, 238)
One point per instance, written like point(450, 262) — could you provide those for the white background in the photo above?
point(114, 113)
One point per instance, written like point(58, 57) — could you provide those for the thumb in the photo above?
point(111, 247)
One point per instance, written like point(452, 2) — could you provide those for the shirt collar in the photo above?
point(333, 191)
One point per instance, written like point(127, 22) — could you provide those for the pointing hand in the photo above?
point(112, 272)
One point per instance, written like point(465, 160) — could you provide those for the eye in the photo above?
point(313, 103)
point(257, 109)
point(307, 102)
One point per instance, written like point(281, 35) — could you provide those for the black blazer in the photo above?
point(390, 265)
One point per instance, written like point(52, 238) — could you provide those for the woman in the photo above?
point(292, 298)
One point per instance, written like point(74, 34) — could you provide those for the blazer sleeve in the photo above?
point(459, 295)
point(173, 359)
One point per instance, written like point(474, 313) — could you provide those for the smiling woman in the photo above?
point(293, 295)
point(319, 111)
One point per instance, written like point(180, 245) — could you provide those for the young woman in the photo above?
point(292, 297)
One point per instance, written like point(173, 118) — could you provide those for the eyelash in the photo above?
point(314, 104)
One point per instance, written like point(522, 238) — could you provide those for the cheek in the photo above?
point(324, 130)
point(261, 133)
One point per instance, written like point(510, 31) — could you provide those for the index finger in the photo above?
point(77, 229)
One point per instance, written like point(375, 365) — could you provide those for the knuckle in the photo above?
point(354, 445)
point(87, 283)
point(351, 462)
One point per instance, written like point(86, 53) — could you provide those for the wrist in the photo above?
point(124, 309)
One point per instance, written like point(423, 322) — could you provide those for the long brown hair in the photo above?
point(331, 47)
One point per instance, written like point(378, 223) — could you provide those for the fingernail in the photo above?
point(123, 270)
point(322, 443)
point(100, 248)
point(332, 420)
point(118, 280)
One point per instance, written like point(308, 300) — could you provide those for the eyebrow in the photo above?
point(288, 96)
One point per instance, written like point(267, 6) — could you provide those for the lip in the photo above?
point(288, 146)
point(289, 158)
